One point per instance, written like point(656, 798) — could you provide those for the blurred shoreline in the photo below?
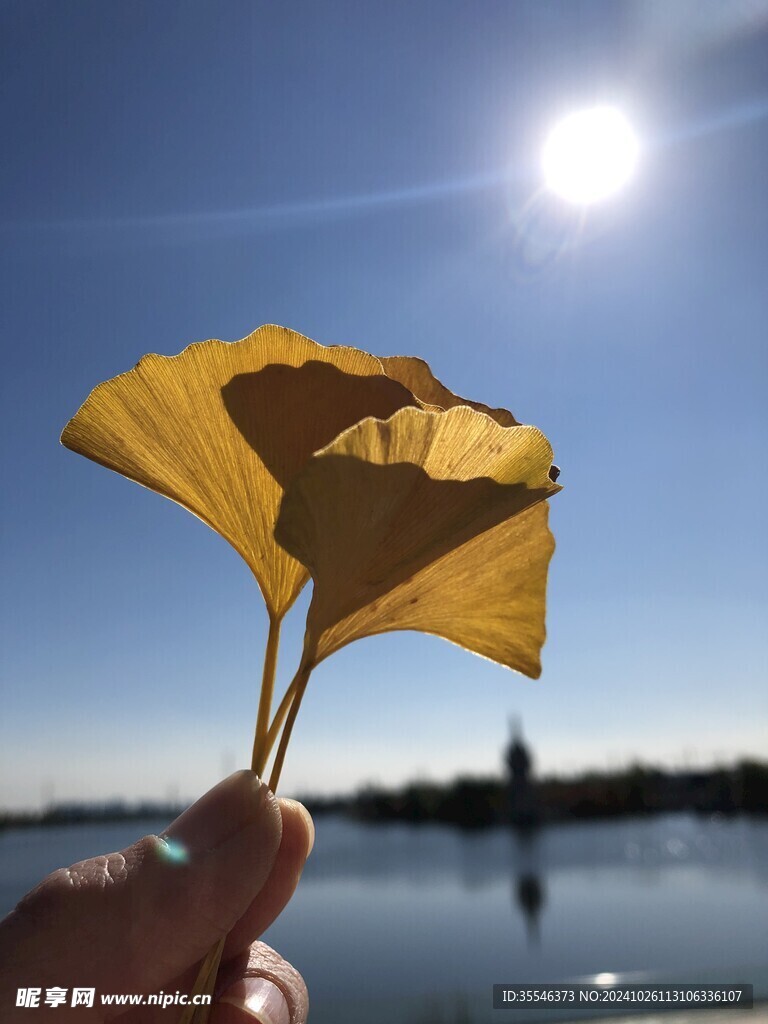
point(477, 802)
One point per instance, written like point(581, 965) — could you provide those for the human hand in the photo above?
point(140, 921)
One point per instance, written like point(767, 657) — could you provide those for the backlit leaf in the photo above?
point(426, 521)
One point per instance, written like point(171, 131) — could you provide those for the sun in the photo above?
point(590, 155)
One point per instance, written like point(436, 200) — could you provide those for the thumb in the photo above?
point(129, 921)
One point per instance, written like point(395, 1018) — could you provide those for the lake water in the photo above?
point(415, 924)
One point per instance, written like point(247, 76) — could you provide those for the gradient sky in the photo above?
point(367, 174)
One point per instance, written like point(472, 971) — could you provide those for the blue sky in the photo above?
point(368, 174)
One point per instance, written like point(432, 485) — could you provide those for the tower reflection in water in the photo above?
point(528, 891)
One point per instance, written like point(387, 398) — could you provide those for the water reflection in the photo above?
point(437, 1011)
point(452, 912)
point(417, 911)
point(431, 855)
point(530, 897)
point(528, 892)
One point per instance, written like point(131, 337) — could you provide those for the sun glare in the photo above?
point(590, 155)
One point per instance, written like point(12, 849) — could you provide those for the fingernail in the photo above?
point(217, 816)
point(259, 998)
point(306, 818)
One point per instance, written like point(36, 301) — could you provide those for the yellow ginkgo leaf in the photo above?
point(415, 374)
point(426, 521)
point(223, 427)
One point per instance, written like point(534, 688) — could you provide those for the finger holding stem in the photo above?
point(204, 985)
point(206, 978)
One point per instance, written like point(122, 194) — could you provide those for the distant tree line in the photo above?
point(479, 802)
point(76, 813)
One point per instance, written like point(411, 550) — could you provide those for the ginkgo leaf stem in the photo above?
point(274, 729)
point(260, 748)
point(298, 686)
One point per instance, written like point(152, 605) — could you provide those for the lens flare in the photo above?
point(173, 851)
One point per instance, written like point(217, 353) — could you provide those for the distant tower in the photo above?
point(521, 799)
